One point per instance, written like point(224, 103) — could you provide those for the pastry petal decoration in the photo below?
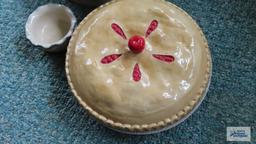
point(164, 58)
point(136, 45)
point(110, 58)
point(136, 74)
point(118, 30)
point(153, 25)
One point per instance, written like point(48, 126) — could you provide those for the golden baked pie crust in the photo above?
point(144, 127)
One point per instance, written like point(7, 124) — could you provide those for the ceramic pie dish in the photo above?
point(138, 66)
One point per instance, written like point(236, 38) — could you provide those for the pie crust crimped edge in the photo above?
point(145, 127)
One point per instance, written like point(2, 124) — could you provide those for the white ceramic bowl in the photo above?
point(50, 26)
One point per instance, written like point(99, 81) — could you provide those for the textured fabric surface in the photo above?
point(37, 106)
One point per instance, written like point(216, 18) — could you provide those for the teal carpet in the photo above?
point(36, 105)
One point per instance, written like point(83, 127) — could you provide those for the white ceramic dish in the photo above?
point(50, 26)
point(115, 92)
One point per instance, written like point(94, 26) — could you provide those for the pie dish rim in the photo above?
point(157, 126)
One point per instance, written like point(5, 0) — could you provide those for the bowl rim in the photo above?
point(67, 10)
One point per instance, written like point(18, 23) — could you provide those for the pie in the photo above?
point(138, 65)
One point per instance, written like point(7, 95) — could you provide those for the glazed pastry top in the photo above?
point(142, 87)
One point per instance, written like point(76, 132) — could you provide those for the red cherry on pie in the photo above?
point(136, 44)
